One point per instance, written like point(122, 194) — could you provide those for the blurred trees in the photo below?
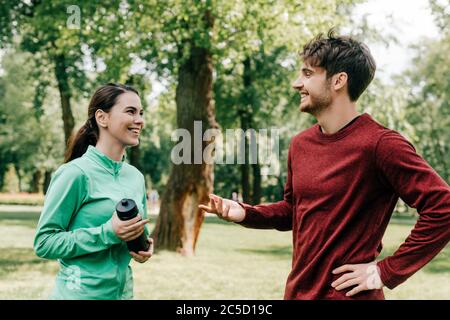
point(428, 106)
point(20, 128)
point(42, 28)
point(29, 135)
point(416, 103)
point(57, 39)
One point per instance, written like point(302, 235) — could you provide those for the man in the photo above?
point(345, 175)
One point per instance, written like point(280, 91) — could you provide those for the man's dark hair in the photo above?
point(342, 54)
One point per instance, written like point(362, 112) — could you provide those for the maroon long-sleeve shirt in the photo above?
point(340, 193)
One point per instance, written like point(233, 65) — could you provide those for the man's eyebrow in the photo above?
point(307, 69)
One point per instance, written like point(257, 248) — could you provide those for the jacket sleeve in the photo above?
point(65, 196)
point(419, 186)
point(276, 215)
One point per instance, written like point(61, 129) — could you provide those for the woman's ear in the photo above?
point(102, 118)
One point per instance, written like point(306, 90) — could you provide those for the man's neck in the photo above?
point(336, 116)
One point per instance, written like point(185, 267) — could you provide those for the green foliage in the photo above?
point(19, 130)
point(429, 103)
point(43, 32)
point(156, 143)
point(28, 141)
point(11, 181)
point(417, 105)
point(441, 12)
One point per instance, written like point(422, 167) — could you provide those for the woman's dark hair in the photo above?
point(342, 54)
point(104, 99)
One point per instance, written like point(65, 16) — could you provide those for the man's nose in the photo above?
point(297, 84)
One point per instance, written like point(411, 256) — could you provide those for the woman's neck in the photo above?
point(111, 150)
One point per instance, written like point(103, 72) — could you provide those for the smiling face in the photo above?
point(314, 88)
point(124, 121)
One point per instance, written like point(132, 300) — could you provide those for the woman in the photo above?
point(78, 225)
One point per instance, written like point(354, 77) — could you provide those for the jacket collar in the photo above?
point(110, 165)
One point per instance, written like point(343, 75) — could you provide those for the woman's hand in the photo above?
point(130, 229)
point(143, 256)
point(364, 276)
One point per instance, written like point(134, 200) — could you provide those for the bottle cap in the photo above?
point(126, 209)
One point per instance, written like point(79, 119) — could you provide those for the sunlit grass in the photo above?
point(231, 262)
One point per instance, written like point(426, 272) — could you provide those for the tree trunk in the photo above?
point(189, 185)
point(19, 176)
point(256, 195)
point(4, 164)
point(65, 94)
point(134, 157)
point(245, 168)
point(279, 190)
point(36, 181)
point(244, 114)
point(47, 179)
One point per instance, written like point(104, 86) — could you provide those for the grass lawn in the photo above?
point(231, 262)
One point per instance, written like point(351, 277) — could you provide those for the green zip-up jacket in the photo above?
point(75, 226)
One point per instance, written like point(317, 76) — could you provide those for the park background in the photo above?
point(236, 60)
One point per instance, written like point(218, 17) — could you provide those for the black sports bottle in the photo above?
point(126, 210)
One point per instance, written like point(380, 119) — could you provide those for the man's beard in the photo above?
point(318, 104)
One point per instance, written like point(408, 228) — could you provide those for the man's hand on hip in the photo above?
point(364, 276)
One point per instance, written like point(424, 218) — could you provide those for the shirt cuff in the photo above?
point(249, 215)
point(386, 276)
point(110, 236)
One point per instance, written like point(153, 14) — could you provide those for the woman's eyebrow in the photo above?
point(134, 108)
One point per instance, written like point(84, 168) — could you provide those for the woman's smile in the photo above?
point(136, 131)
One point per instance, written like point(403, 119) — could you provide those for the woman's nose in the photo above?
point(139, 119)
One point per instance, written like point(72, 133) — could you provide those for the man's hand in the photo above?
point(143, 256)
point(364, 276)
point(228, 210)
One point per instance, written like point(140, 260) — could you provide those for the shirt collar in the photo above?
point(110, 165)
point(350, 127)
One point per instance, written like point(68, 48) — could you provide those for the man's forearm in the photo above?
point(276, 215)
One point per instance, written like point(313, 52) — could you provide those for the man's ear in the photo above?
point(102, 118)
point(340, 80)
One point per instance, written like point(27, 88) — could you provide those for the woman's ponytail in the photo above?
point(78, 143)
